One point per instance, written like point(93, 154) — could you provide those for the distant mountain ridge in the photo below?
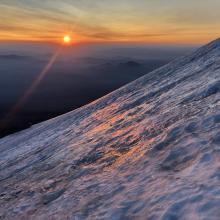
point(149, 150)
point(14, 57)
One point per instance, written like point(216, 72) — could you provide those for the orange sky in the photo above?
point(144, 21)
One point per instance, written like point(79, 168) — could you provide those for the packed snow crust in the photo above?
point(150, 150)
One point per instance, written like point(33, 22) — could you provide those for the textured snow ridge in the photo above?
point(150, 150)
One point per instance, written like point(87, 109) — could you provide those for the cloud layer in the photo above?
point(163, 21)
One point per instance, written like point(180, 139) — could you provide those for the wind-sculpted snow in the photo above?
point(150, 150)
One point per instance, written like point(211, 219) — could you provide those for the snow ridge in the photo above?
point(149, 150)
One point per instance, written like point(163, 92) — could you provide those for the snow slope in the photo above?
point(150, 150)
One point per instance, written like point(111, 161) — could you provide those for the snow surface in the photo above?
point(150, 150)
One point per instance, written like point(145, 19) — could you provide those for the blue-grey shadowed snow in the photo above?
point(149, 150)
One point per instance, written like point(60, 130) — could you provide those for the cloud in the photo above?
point(115, 20)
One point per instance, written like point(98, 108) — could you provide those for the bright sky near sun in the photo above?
point(150, 21)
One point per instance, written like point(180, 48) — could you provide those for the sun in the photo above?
point(66, 39)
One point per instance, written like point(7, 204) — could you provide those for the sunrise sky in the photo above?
point(144, 21)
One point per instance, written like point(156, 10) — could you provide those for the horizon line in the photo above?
point(108, 43)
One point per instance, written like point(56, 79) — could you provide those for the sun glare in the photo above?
point(66, 39)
